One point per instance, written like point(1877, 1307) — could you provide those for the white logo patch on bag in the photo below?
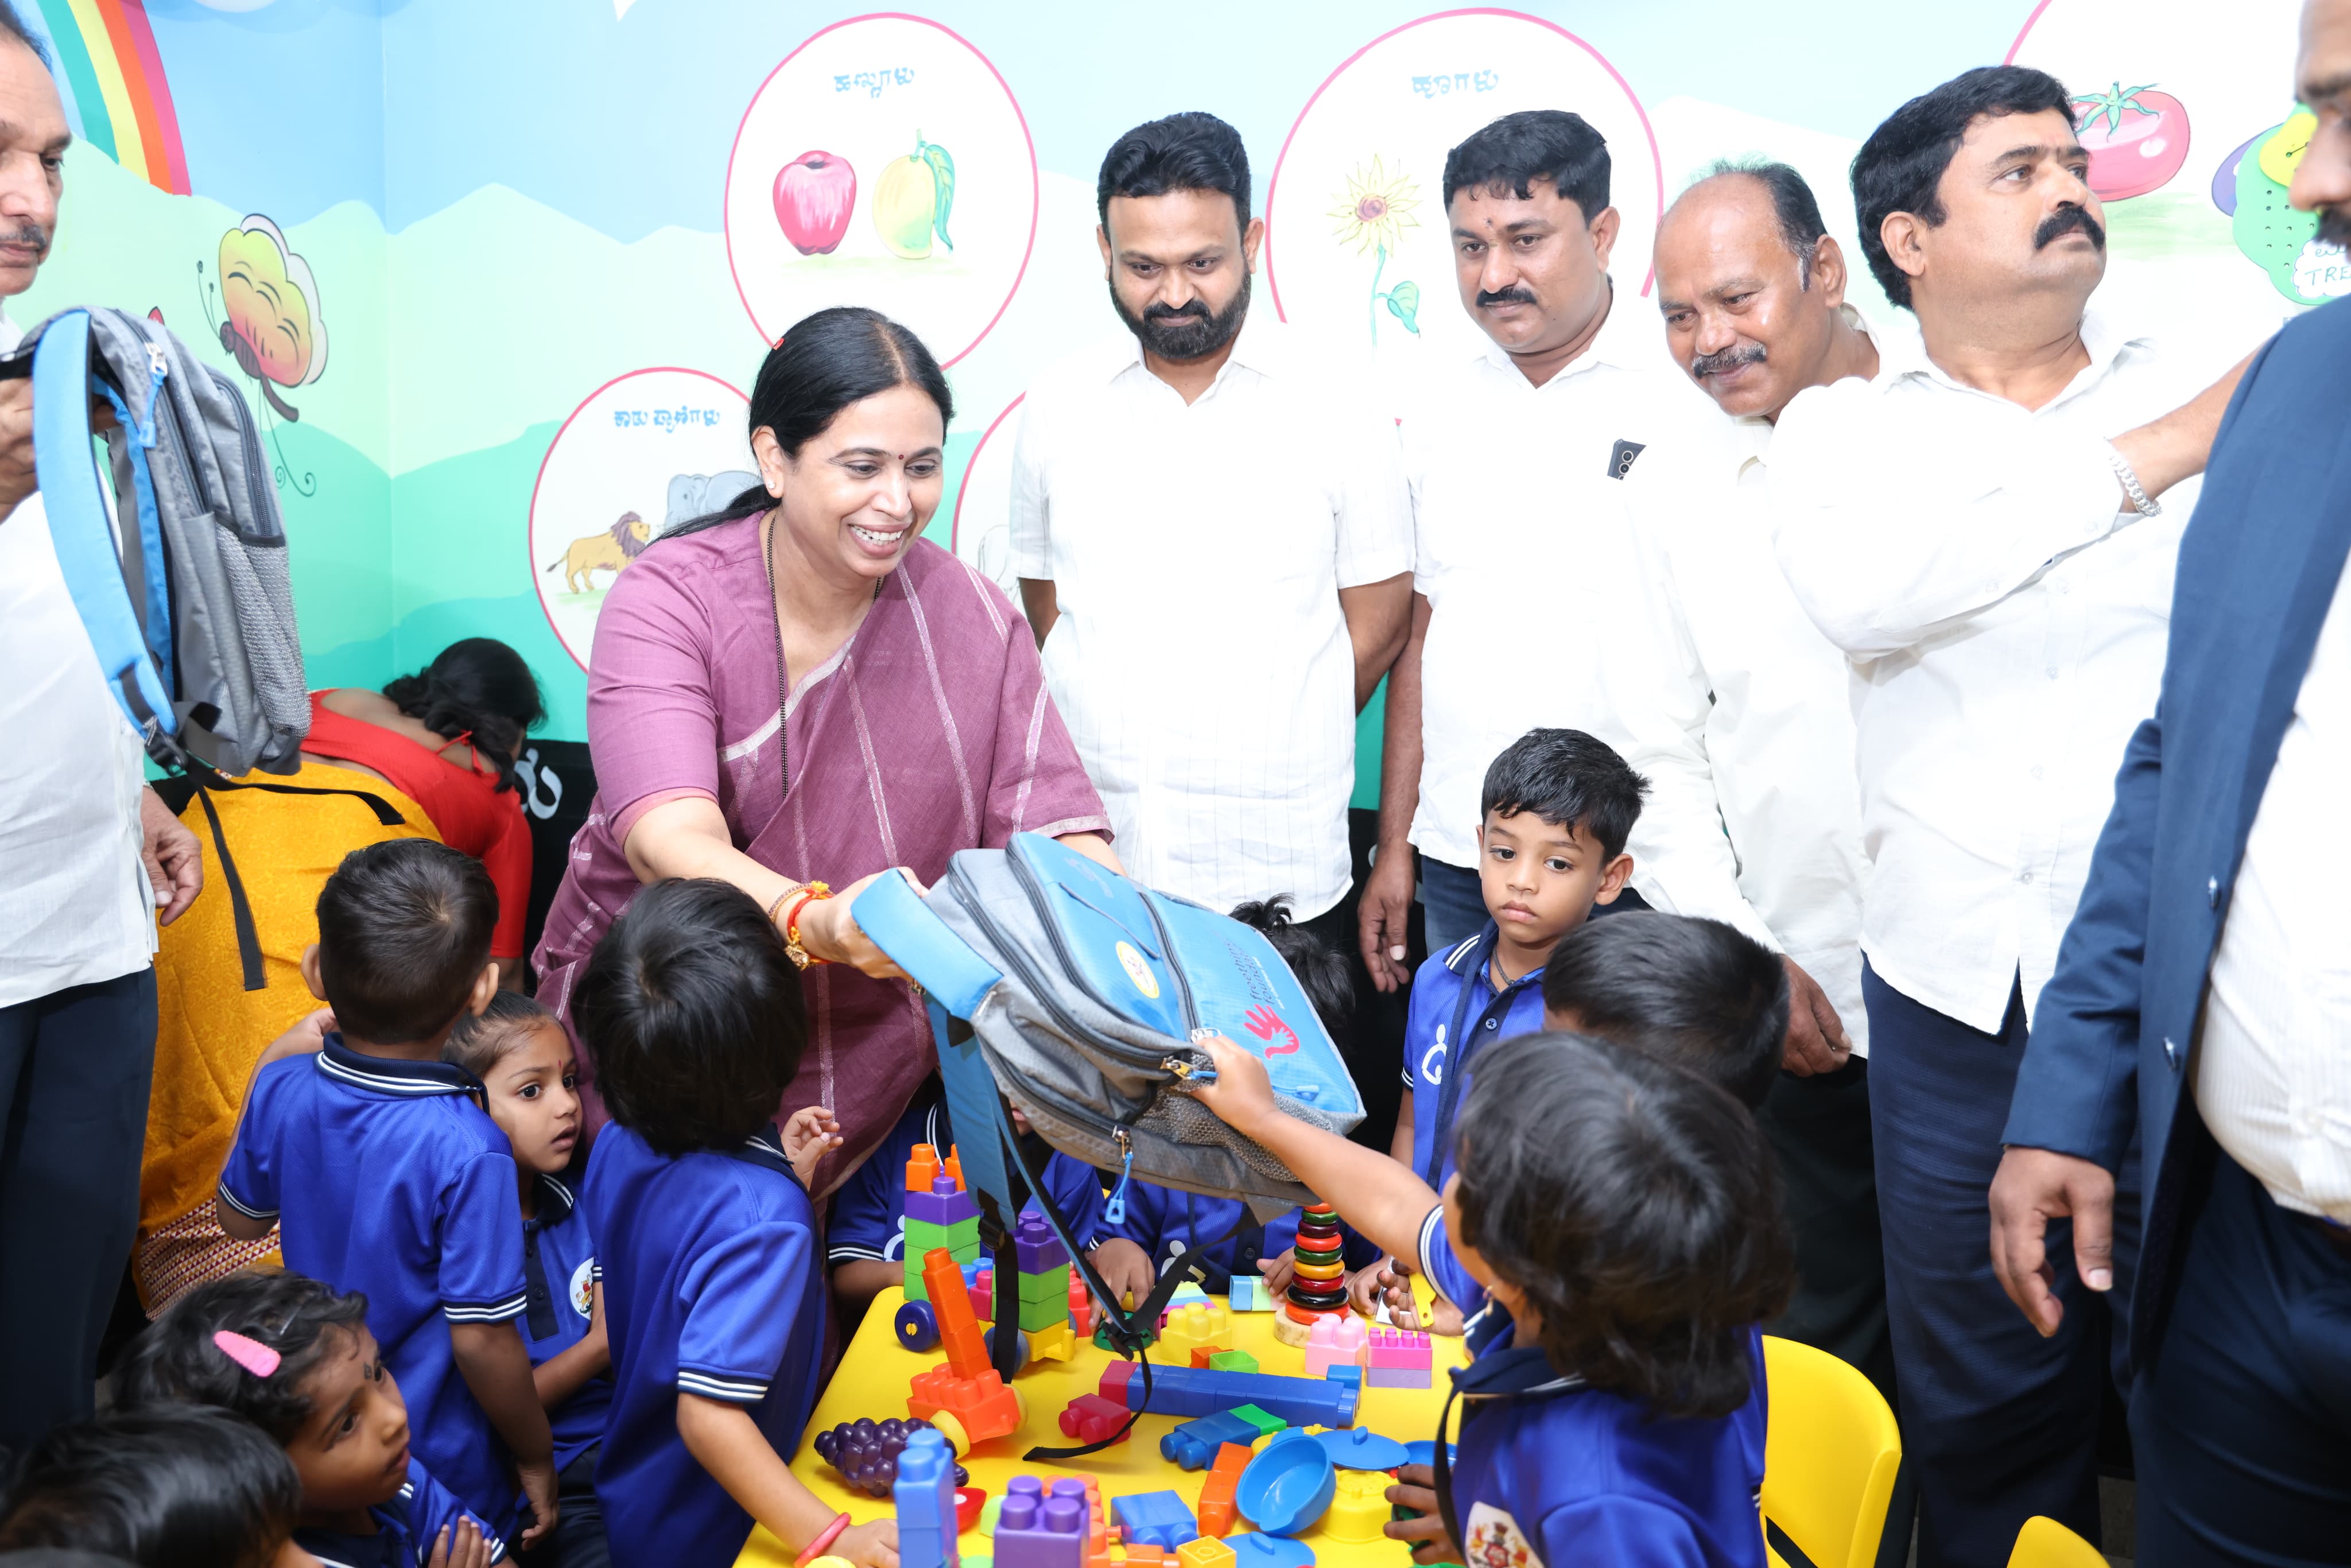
point(583, 1289)
point(1495, 1540)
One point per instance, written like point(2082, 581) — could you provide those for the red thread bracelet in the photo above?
point(824, 1539)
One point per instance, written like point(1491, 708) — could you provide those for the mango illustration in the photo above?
point(2268, 231)
point(2285, 147)
point(912, 200)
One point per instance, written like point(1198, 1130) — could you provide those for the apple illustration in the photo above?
point(2136, 139)
point(814, 192)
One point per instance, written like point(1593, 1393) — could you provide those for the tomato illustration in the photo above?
point(2136, 139)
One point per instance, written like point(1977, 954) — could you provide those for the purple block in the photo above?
point(1036, 1246)
point(1399, 1378)
point(1035, 1531)
point(941, 1208)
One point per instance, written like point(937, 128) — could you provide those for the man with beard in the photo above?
point(1213, 535)
point(1736, 710)
point(1988, 531)
point(2208, 965)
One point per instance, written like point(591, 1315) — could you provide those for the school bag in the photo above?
point(1075, 994)
point(190, 613)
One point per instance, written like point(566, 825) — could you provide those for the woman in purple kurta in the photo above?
point(917, 723)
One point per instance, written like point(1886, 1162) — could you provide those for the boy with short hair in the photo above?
point(386, 1177)
point(1696, 992)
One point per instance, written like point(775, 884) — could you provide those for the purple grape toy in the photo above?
point(866, 1452)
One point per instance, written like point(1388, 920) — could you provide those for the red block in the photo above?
point(969, 1501)
point(1115, 1379)
point(1090, 1419)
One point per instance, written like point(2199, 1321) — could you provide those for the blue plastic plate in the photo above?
point(1353, 1448)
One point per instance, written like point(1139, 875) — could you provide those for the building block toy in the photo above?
point(1232, 1361)
point(1054, 1342)
point(969, 1501)
point(1158, 1518)
point(1036, 1246)
point(1142, 1554)
point(965, 1398)
point(1200, 1325)
point(1041, 1529)
point(1318, 1285)
point(1249, 1294)
point(1359, 1508)
point(1363, 1451)
point(1286, 1488)
point(917, 1327)
point(1102, 1335)
point(1193, 1444)
point(1082, 1306)
point(1205, 1552)
point(925, 1497)
point(1187, 1294)
point(1259, 1551)
point(981, 1294)
point(1335, 1341)
point(1265, 1425)
point(1346, 1373)
point(1398, 1358)
point(940, 1215)
point(1217, 1492)
point(1201, 1355)
point(1182, 1391)
point(1090, 1419)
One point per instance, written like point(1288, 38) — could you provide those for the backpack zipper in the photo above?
point(976, 906)
point(249, 436)
point(1167, 945)
point(167, 419)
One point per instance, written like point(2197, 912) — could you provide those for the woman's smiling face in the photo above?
point(857, 496)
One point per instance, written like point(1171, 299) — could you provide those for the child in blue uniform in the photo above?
point(714, 1290)
point(387, 1178)
point(1623, 1216)
point(296, 1359)
point(177, 1485)
point(1699, 993)
point(522, 1056)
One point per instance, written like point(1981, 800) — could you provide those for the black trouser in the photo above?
point(579, 1538)
point(75, 1069)
point(1371, 1037)
point(2241, 1418)
point(1818, 1128)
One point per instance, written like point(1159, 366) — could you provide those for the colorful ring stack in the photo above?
point(1320, 1285)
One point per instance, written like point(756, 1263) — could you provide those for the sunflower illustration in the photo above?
point(1374, 209)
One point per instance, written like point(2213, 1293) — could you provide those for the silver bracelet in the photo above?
point(2138, 498)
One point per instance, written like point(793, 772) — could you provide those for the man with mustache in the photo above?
point(76, 909)
point(1736, 707)
point(1988, 531)
point(1213, 536)
point(2202, 1000)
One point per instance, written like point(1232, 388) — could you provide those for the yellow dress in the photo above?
point(210, 1030)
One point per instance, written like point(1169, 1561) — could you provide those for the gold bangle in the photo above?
point(808, 892)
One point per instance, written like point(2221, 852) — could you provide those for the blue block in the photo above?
point(925, 1496)
point(1204, 1391)
point(1347, 1373)
point(1193, 1445)
point(1155, 1518)
point(1249, 1294)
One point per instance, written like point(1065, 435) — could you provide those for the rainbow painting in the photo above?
point(106, 59)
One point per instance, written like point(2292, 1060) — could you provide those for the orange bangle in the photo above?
point(805, 895)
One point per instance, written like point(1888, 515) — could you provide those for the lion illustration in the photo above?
point(610, 550)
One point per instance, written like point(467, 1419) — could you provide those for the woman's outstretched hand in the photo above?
point(828, 932)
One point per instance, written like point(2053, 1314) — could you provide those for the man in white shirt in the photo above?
point(77, 906)
point(1735, 709)
point(1212, 535)
point(1517, 459)
point(1979, 530)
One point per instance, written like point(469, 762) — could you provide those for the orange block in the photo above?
point(1200, 1355)
point(1142, 1554)
point(983, 1404)
point(954, 1165)
point(958, 1328)
point(1216, 1509)
point(921, 1167)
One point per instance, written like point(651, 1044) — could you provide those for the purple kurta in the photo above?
point(928, 732)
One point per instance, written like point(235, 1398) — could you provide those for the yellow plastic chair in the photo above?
point(1830, 1457)
point(2045, 1543)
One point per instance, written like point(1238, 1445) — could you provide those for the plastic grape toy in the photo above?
point(866, 1452)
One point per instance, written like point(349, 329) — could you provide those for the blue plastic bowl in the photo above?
point(1288, 1485)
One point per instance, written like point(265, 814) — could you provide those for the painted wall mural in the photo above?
point(543, 287)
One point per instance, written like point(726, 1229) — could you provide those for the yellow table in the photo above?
point(872, 1382)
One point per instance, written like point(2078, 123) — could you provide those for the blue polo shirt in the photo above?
point(711, 1287)
point(1218, 1231)
point(1457, 1013)
point(405, 1529)
point(1552, 1472)
point(558, 1264)
point(386, 1176)
point(869, 1212)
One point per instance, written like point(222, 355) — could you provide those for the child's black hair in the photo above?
point(1697, 992)
point(1321, 970)
point(1571, 781)
point(175, 1362)
point(691, 1010)
point(481, 1041)
point(1636, 1205)
point(404, 931)
point(176, 1486)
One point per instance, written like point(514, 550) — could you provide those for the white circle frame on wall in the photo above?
point(1356, 241)
point(980, 531)
point(638, 455)
point(883, 162)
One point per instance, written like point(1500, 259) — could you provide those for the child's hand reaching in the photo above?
point(1416, 1489)
point(1278, 1270)
point(307, 1037)
point(1126, 1269)
point(809, 1136)
point(1241, 1093)
point(874, 1544)
point(461, 1546)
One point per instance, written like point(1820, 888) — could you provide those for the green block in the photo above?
point(1044, 1314)
point(1052, 1285)
point(962, 1239)
point(1232, 1361)
point(1266, 1426)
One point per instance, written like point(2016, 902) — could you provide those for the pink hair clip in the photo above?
point(249, 1353)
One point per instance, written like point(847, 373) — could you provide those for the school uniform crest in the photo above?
point(1495, 1542)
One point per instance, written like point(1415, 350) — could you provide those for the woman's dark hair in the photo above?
point(1571, 781)
point(1900, 168)
point(174, 1487)
point(175, 1362)
point(1322, 972)
point(821, 364)
point(1638, 1209)
point(691, 1013)
point(481, 1041)
point(1189, 151)
point(476, 686)
point(404, 931)
point(1550, 145)
point(1699, 993)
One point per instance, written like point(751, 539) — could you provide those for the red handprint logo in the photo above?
point(1264, 1024)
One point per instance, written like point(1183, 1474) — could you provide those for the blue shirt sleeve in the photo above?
point(1076, 1190)
point(869, 1214)
point(1422, 1017)
point(481, 1278)
point(248, 1182)
point(1619, 1530)
point(1442, 1266)
point(736, 1333)
point(434, 1508)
